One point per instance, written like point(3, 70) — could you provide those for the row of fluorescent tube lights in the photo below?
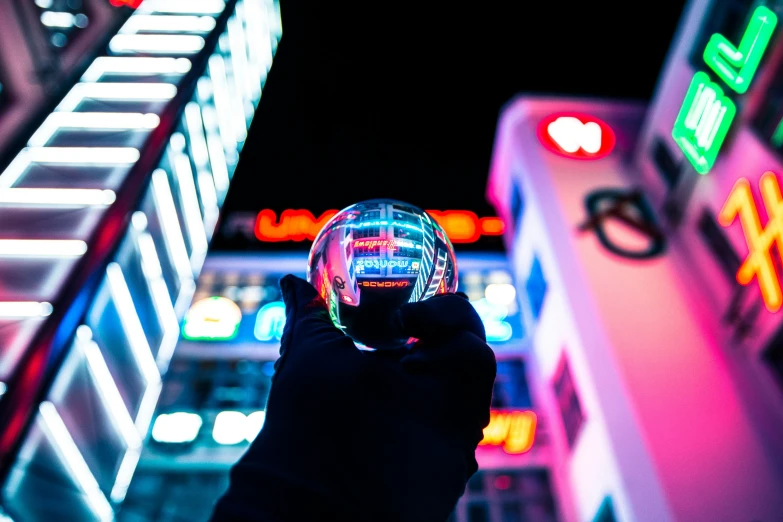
point(229, 130)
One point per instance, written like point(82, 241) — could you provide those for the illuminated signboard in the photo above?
point(706, 113)
point(514, 431)
point(760, 239)
point(576, 136)
point(462, 226)
point(214, 318)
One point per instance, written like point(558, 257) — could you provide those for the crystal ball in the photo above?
point(373, 257)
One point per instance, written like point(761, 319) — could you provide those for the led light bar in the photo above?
point(128, 92)
point(168, 24)
point(91, 121)
point(206, 7)
point(41, 248)
point(135, 66)
point(156, 43)
point(24, 310)
point(84, 155)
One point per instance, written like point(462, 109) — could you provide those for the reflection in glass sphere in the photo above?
point(375, 256)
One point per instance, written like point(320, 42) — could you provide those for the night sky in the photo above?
point(400, 99)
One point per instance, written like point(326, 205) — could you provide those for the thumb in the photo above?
point(440, 317)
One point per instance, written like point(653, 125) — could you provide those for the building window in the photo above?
point(668, 167)
point(520, 495)
point(605, 512)
point(769, 118)
point(511, 388)
point(517, 201)
point(568, 401)
point(536, 287)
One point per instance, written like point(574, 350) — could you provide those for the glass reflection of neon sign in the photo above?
point(514, 431)
point(462, 226)
point(212, 319)
point(706, 113)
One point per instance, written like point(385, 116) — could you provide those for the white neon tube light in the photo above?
point(42, 248)
point(135, 65)
point(24, 310)
point(131, 324)
point(156, 43)
point(125, 475)
point(58, 435)
point(57, 197)
point(206, 7)
point(161, 301)
point(172, 232)
point(83, 155)
point(110, 395)
point(117, 92)
point(168, 23)
point(193, 219)
point(198, 143)
point(58, 19)
point(222, 98)
point(238, 45)
point(206, 187)
point(91, 121)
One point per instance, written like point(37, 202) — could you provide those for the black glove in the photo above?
point(354, 435)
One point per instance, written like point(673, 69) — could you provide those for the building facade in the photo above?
point(650, 272)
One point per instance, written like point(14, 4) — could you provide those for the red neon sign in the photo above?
point(576, 136)
point(462, 226)
point(133, 4)
point(384, 284)
point(372, 243)
point(514, 431)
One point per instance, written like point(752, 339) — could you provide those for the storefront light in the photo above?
point(230, 427)
point(212, 319)
point(176, 428)
point(501, 294)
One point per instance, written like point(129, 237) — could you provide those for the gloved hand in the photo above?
point(354, 435)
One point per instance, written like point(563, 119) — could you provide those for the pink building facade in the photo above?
point(660, 372)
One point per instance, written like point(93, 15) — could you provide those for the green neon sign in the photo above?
point(736, 66)
point(706, 113)
point(703, 122)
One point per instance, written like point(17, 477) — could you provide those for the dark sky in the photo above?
point(400, 99)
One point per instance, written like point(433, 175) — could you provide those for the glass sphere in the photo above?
point(375, 256)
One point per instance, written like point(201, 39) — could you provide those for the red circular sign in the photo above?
point(576, 135)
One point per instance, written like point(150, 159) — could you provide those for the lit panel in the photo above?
point(53, 197)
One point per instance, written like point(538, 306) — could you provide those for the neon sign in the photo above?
point(384, 284)
point(493, 315)
point(706, 113)
point(759, 263)
point(514, 431)
point(133, 4)
point(212, 319)
point(576, 136)
point(270, 322)
point(381, 263)
point(462, 226)
point(390, 244)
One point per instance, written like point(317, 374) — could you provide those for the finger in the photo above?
point(307, 320)
point(440, 317)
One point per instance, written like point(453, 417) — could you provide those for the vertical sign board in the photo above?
point(707, 113)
